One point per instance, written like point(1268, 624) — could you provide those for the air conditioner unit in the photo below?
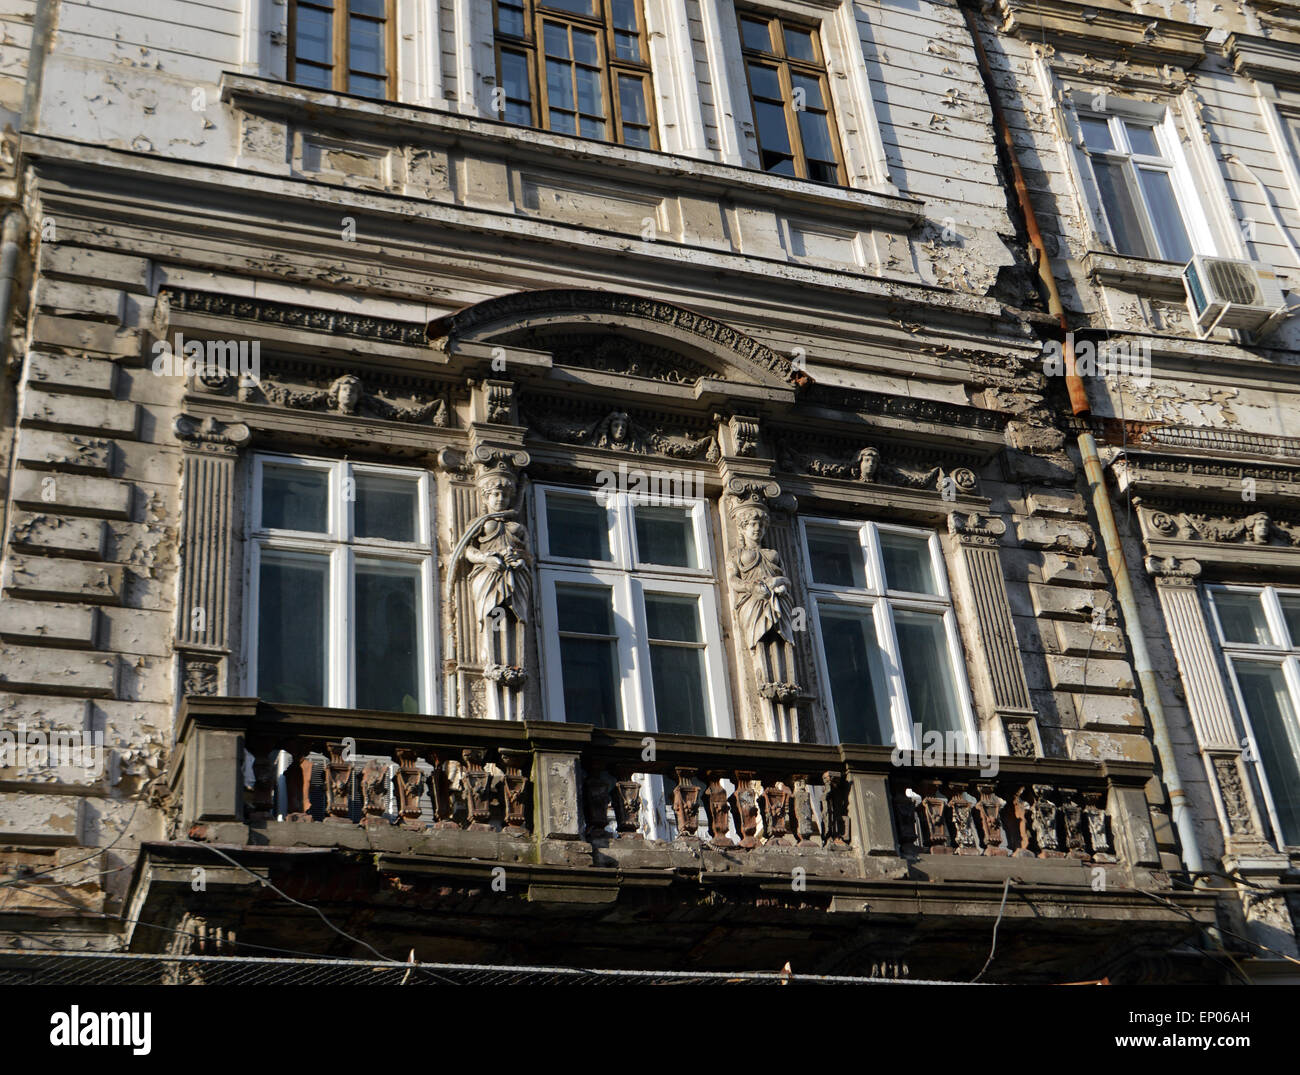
point(1226, 293)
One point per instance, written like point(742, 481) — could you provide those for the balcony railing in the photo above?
point(245, 765)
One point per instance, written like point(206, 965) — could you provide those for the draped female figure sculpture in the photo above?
point(763, 600)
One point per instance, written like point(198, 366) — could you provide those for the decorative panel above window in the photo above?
point(341, 585)
point(888, 646)
point(578, 67)
point(791, 97)
point(343, 45)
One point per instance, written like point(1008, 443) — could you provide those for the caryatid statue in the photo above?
point(763, 599)
point(501, 583)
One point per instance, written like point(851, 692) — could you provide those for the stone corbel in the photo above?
point(1002, 687)
point(210, 450)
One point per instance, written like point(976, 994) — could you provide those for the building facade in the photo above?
point(588, 482)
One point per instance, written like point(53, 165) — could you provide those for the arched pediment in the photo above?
point(583, 327)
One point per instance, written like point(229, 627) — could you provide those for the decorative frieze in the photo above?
point(310, 318)
point(618, 431)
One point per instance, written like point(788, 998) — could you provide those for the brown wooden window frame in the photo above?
point(531, 45)
point(341, 14)
point(787, 66)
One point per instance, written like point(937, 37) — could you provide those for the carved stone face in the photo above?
point(348, 392)
point(618, 426)
point(752, 526)
point(868, 463)
point(1259, 527)
point(498, 493)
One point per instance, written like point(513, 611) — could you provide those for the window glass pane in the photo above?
point(799, 45)
point(510, 18)
point(1096, 133)
point(927, 671)
point(367, 86)
point(772, 131)
point(591, 128)
point(584, 47)
point(836, 557)
point(557, 40)
point(677, 672)
point(314, 34)
point(631, 100)
point(1168, 221)
point(1241, 615)
point(765, 82)
point(320, 78)
point(563, 122)
point(908, 565)
point(666, 536)
point(755, 35)
point(626, 45)
point(588, 655)
point(1291, 613)
point(295, 498)
point(624, 12)
point(366, 46)
point(636, 136)
point(1117, 203)
point(388, 636)
point(559, 85)
point(816, 132)
point(386, 507)
point(367, 7)
point(577, 527)
point(589, 95)
point(807, 92)
point(823, 171)
point(1273, 720)
point(292, 632)
point(857, 676)
point(1143, 139)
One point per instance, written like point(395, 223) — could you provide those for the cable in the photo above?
point(1006, 887)
point(102, 851)
point(307, 906)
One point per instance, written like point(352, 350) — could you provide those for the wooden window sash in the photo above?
point(339, 67)
point(787, 66)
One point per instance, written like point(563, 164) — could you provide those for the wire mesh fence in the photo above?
point(114, 969)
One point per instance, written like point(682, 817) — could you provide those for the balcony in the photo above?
point(651, 847)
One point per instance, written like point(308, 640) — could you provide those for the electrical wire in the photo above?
point(1006, 887)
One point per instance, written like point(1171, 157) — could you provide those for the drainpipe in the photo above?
point(1093, 471)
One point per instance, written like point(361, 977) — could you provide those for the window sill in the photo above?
point(1143, 276)
point(369, 119)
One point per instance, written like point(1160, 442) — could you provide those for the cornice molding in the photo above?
point(1104, 28)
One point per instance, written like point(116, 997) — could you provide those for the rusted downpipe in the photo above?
point(1092, 468)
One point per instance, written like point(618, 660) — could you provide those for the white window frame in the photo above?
point(343, 550)
point(1172, 161)
point(882, 604)
point(1287, 657)
point(629, 580)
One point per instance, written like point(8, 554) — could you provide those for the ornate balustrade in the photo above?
point(627, 793)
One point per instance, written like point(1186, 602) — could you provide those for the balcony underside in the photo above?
point(741, 914)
